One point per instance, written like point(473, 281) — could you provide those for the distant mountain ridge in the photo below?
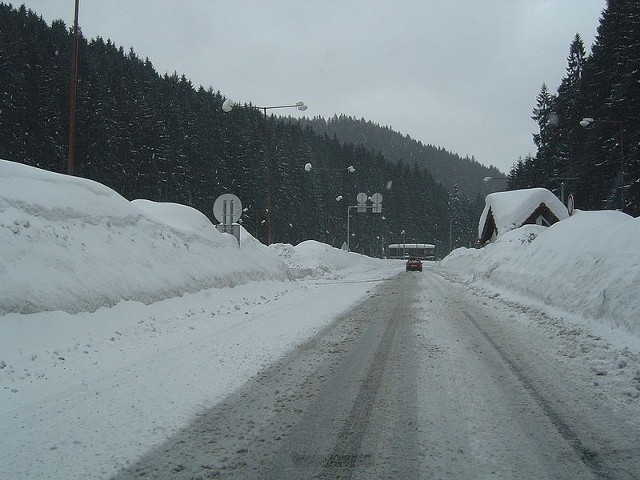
point(445, 167)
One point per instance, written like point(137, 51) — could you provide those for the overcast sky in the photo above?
point(458, 74)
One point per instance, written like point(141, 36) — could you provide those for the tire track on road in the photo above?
point(303, 417)
point(343, 459)
point(589, 457)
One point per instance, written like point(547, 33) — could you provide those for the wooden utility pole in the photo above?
point(73, 90)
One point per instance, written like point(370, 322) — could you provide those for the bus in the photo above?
point(421, 251)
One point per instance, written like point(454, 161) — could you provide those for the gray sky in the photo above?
point(458, 74)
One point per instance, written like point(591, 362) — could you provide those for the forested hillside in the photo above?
point(161, 138)
point(589, 130)
point(447, 168)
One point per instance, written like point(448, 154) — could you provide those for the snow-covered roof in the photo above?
point(510, 209)
point(412, 245)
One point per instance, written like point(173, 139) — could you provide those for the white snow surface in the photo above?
point(587, 266)
point(121, 321)
point(98, 249)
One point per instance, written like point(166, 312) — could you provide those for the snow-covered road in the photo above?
point(98, 389)
point(424, 379)
point(427, 378)
point(501, 399)
point(121, 322)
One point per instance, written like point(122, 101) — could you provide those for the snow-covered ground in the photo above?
point(587, 267)
point(120, 321)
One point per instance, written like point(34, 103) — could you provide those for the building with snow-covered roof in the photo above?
point(505, 211)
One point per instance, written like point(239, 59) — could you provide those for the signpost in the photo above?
point(570, 204)
point(376, 199)
point(362, 202)
point(228, 209)
point(362, 207)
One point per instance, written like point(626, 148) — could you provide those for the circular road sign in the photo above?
point(227, 205)
point(376, 198)
point(570, 204)
point(362, 197)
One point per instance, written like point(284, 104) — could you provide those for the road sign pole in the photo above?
point(348, 218)
point(362, 206)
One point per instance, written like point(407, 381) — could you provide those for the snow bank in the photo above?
point(311, 259)
point(587, 265)
point(75, 245)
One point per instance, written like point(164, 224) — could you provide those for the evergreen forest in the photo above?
point(447, 168)
point(589, 130)
point(159, 137)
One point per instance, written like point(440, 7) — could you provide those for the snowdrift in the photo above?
point(85, 390)
point(311, 259)
point(75, 245)
point(587, 265)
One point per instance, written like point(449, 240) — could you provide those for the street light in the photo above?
point(492, 186)
point(308, 167)
point(488, 179)
point(404, 244)
point(587, 122)
point(229, 105)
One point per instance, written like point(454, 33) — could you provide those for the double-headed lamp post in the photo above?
point(229, 105)
point(308, 167)
point(586, 122)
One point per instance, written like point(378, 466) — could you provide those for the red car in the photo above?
point(414, 265)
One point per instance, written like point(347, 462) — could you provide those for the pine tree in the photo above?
point(601, 160)
point(611, 77)
point(570, 108)
point(544, 163)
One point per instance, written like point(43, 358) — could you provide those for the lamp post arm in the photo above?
point(299, 105)
point(279, 106)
